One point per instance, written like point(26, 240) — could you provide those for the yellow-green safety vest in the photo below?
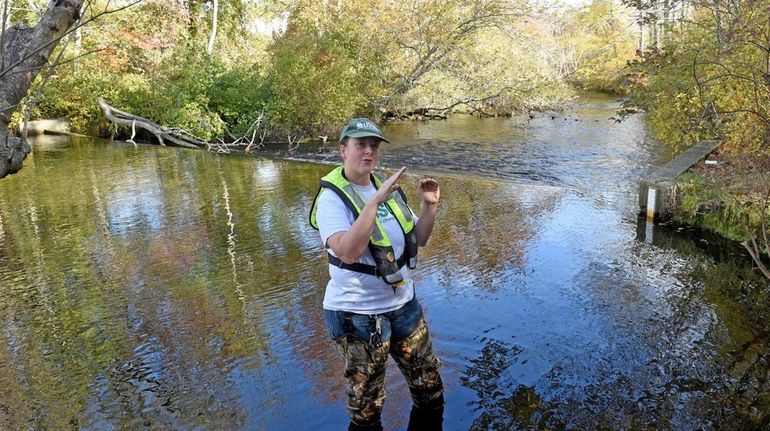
point(386, 264)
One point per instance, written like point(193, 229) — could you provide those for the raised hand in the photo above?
point(388, 186)
point(429, 190)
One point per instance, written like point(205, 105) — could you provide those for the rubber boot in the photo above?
point(374, 425)
point(429, 418)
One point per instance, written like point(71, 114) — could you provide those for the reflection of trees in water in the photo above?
point(709, 341)
point(663, 370)
point(182, 344)
point(181, 339)
point(503, 404)
point(142, 280)
point(136, 310)
point(483, 228)
point(289, 272)
point(693, 356)
point(15, 409)
point(279, 264)
point(49, 323)
point(304, 275)
point(101, 323)
point(742, 299)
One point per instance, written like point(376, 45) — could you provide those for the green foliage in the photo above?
point(710, 79)
point(333, 61)
point(180, 95)
point(175, 97)
point(24, 11)
point(149, 62)
point(315, 81)
point(600, 43)
point(700, 202)
point(497, 62)
point(239, 96)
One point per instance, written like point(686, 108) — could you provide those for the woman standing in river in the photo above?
point(370, 308)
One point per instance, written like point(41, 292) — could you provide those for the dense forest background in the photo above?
point(297, 69)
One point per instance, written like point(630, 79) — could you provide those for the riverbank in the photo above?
point(728, 194)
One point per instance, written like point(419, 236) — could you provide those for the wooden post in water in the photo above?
point(651, 207)
point(654, 191)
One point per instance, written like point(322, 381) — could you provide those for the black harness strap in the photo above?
point(362, 267)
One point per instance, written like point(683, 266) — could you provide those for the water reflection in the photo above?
point(674, 378)
point(163, 288)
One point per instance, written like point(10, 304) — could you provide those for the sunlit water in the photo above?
point(165, 288)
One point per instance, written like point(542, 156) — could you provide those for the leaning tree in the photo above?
point(24, 51)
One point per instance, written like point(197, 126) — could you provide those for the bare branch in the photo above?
point(471, 100)
point(746, 111)
point(180, 137)
point(753, 250)
point(119, 117)
point(56, 64)
point(485, 14)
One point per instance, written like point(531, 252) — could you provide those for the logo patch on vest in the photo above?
point(391, 258)
point(382, 211)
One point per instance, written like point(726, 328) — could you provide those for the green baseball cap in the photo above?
point(361, 128)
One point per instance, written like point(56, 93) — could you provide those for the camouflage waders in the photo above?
point(365, 341)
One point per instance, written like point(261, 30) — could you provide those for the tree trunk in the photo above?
point(214, 22)
point(666, 20)
point(174, 136)
point(656, 28)
point(718, 21)
point(25, 51)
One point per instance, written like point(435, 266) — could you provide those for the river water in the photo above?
point(162, 288)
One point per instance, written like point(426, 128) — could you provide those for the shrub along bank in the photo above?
point(709, 78)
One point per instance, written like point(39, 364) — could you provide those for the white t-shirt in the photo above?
point(353, 291)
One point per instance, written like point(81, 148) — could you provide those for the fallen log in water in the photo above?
point(254, 138)
point(174, 136)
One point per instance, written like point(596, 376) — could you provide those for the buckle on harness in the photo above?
point(395, 280)
point(397, 284)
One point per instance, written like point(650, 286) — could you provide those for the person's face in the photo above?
point(360, 155)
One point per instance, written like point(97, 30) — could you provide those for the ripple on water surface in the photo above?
point(156, 287)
